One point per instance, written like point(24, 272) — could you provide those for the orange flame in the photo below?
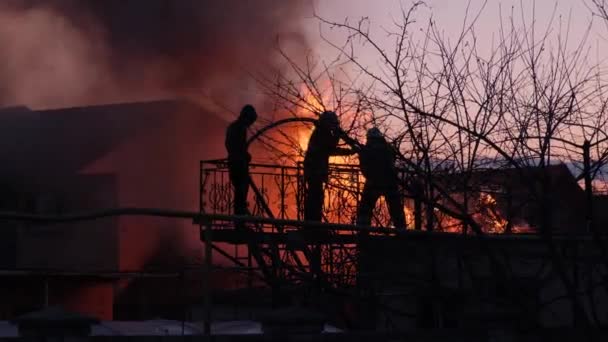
point(488, 215)
point(409, 217)
point(310, 103)
point(313, 103)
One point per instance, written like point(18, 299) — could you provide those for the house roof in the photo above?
point(522, 181)
point(37, 143)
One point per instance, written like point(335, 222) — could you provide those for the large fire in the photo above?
point(345, 185)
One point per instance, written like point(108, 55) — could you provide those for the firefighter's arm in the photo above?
point(349, 141)
point(355, 146)
point(340, 151)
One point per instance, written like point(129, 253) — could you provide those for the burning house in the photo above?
point(86, 158)
point(508, 200)
point(432, 279)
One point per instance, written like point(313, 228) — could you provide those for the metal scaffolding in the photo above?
point(387, 271)
point(300, 255)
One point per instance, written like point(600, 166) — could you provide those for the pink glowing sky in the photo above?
point(449, 17)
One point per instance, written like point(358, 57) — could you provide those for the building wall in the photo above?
point(23, 293)
point(46, 263)
point(89, 296)
point(81, 246)
point(450, 282)
point(152, 150)
point(158, 167)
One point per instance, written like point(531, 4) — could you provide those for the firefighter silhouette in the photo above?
point(239, 158)
point(377, 162)
point(323, 143)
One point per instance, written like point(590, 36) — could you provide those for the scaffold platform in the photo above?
point(381, 268)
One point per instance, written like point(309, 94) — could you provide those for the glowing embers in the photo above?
point(523, 228)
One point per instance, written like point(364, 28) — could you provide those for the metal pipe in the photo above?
point(216, 218)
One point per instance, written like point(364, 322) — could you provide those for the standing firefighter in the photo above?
point(323, 144)
point(377, 160)
point(239, 157)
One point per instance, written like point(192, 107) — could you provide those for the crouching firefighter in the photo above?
point(239, 158)
point(377, 162)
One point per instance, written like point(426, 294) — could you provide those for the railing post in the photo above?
point(207, 278)
point(46, 292)
point(575, 276)
point(201, 190)
point(282, 190)
point(588, 185)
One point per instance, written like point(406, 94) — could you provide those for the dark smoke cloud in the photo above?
point(60, 53)
point(139, 48)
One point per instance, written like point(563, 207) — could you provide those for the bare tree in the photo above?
point(466, 120)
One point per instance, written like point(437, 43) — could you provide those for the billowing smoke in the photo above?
point(67, 53)
point(71, 52)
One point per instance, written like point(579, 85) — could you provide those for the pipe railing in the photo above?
point(206, 219)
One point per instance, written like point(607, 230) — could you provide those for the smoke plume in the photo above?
point(75, 52)
point(68, 53)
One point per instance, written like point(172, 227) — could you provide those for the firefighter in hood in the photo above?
point(239, 157)
point(377, 162)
